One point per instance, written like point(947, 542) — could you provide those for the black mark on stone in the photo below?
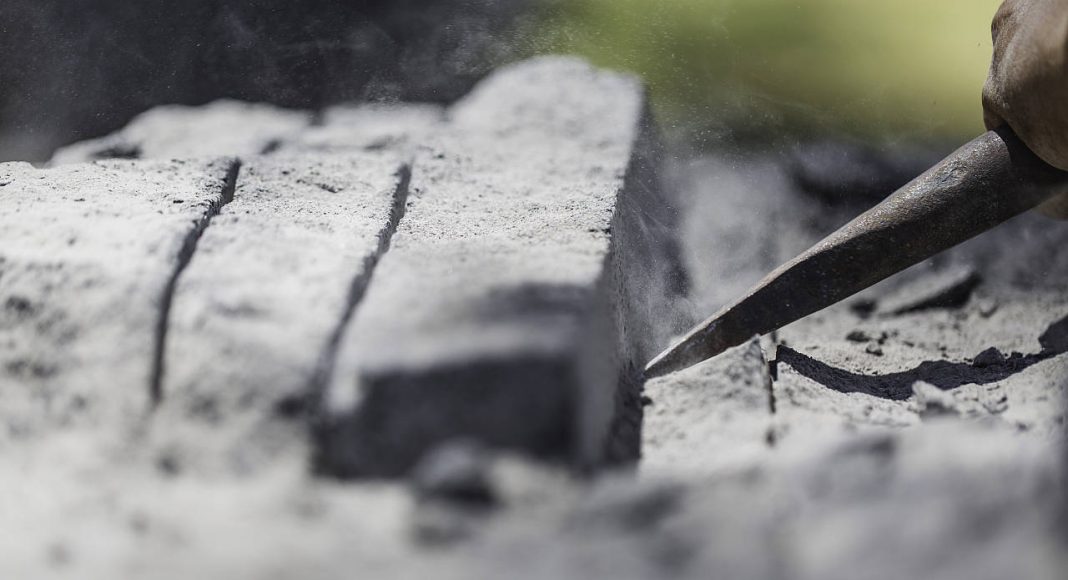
point(168, 463)
point(118, 151)
point(950, 289)
point(858, 336)
point(20, 306)
point(863, 307)
point(271, 146)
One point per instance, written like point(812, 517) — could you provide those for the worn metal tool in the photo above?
point(982, 184)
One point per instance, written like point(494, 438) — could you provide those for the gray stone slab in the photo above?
point(87, 256)
point(256, 313)
point(224, 127)
point(527, 282)
point(710, 417)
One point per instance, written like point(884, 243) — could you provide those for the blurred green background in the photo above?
point(908, 69)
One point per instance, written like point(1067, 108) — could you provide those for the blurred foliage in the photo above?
point(909, 68)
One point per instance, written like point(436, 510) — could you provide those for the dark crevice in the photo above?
point(771, 371)
point(771, 374)
point(988, 367)
point(946, 290)
point(185, 255)
point(357, 290)
point(271, 146)
point(118, 151)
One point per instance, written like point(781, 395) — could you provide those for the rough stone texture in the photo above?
point(221, 128)
point(399, 127)
point(970, 322)
point(119, 520)
point(520, 293)
point(257, 312)
point(710, 416)
point(949, 500)
point(740, 220)
point(926, 444)
point(1007, 363)
point(87, 254)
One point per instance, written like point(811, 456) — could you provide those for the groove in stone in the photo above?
point(189, 247)
point(769, 349)
point(358, 288)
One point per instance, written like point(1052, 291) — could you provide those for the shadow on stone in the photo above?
point(987, 367)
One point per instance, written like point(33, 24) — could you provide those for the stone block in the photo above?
point(530, 279)
point(88, 258)
point(257, 312)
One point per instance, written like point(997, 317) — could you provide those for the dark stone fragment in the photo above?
point(457, 473)
point(858, 336)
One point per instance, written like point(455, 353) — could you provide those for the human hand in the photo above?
point(1027, 87)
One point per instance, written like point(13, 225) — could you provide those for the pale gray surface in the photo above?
point(497, 313)
point(224, 127)
point(86, 256)
point(371, 126)
point(86, 253)
point(861, 477)
point(708, 417)
point(856, 371)
point(950, 500)
point(953, 483)
point(257, 308)
point(842, 369)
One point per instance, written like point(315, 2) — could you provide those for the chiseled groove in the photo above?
point(189, 247)
point(771, 370)
point(328, 359)
point(771, 374)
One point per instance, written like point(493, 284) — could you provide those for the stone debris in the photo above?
point(457, 473)
point(934, 402)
